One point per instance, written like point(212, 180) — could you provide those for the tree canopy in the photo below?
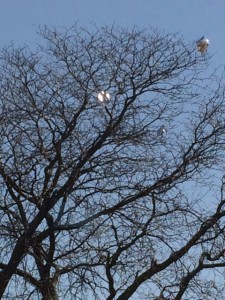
point(111, 168)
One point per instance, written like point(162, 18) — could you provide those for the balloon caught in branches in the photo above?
point(202, 44)
point(103, 97)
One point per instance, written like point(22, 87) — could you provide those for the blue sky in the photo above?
point(19, 19)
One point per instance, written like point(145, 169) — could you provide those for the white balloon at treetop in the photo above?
point(202, 44)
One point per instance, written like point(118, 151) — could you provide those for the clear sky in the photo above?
point(19, 19)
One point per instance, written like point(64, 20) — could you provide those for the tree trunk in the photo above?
point(21, 248)
point(6, 274)
point(48, 291)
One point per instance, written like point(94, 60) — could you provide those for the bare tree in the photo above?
point(111, 169)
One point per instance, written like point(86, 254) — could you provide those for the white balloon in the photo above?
point(103, 96)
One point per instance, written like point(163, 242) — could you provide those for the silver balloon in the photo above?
point(202, 44)
point(161, 131)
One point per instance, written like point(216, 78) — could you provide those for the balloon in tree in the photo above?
point(202, 44)
point(103, 97)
